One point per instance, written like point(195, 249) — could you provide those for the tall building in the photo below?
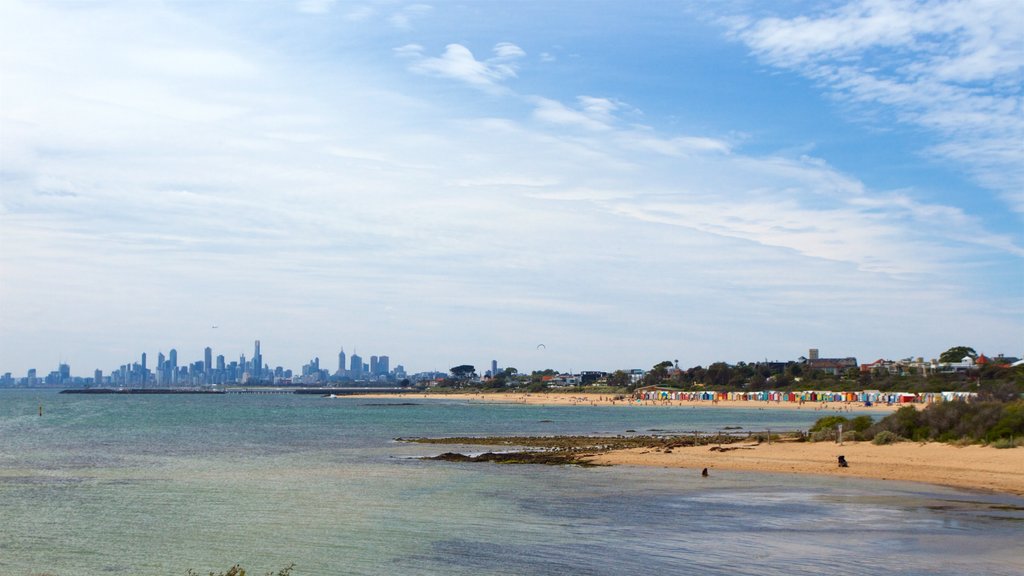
point(356, 367)
point(208, 362)
point(257, 362)
point(341, 362)
point(172, 365)
point(161, 369)
point(494, 368)
point(220, 362)
point(143, 361)
point(383, 366)
point(373, 366)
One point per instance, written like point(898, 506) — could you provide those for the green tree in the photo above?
point(718, 375)
point(619, 379)
point(658, 374)
point(957, 353)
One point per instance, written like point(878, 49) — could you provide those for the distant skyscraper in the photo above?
point(257, 362)
point(373, 366)
point(220, 362)
point(383, 365)
point(356, 367)
point(97, 377)
point(172, 363)
point(143, 361)
point(208, 359)
point(494, 368)
point(341, 361)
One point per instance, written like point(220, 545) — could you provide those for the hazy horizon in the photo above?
point(451, 183)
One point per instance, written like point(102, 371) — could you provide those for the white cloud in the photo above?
point(597, 118)
point(508, 51)
point(952, 67)
point(457, 62)
point(297, 201)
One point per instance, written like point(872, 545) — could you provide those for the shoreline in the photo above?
point(973, 467)
point(597, 399)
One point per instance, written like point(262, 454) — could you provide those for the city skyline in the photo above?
point(168, 372)
point(216, 370)
point(620, 183)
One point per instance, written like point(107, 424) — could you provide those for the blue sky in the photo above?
point(449, 183)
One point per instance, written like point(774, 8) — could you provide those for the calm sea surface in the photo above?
point(154, 485)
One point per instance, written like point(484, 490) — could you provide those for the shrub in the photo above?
point(886, 437)
point(1010, 424)
point(237, 570)
point(904, 422)
point(823, 435)
point(860, 424)
point(828, 423)
point(1007, 443)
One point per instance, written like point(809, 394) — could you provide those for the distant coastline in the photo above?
point(222, 391)
point(606, 399)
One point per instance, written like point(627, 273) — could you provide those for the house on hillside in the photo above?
point(833, 366)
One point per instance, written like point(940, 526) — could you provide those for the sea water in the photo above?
point(156, 485)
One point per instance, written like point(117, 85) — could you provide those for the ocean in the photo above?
point(157, 485)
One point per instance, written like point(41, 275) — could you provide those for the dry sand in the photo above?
point(975, 467)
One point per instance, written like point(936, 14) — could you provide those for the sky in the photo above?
point(454, 182)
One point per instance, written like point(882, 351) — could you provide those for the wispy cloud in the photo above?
point(951, 67)
point(407, 15)
point(185, 167)
point(458, 63)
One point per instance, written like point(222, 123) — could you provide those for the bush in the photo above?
point(1010, 424)
point(886, 437)
point(823, 435)
point(237, 570)
point(904, 422)
point(828, 423)
point(860, 424)
point(1007, 443)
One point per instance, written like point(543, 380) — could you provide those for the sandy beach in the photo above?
point(976, 467)
point(593, 399)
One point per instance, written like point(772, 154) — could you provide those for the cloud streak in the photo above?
point(951, 67)
point(163, 168)
point(458, 63)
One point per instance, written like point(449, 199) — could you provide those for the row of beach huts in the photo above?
point(799, 397)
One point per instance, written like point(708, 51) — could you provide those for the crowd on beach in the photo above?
point(865, 397)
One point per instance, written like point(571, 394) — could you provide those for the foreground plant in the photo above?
point(237, 570)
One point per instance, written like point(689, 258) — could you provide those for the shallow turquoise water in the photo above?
point(150, 485)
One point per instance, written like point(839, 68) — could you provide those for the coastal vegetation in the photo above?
point(993, 422)
point(237, 570)
point(987, 378)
